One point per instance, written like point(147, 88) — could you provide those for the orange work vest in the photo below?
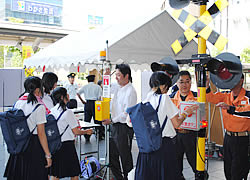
point(177, 99)
point(231, 122)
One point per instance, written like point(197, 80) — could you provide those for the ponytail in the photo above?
point(158, 91)
point(130, 79)
point(32, 98)
point(62, 105)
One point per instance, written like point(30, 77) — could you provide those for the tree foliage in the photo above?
point(245, 55)
point(15, 56)
point(1, 56)
point(215, 52)
point(16, 59)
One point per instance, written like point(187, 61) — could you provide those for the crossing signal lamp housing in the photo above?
point(226, 70)
point(178, 4)
point(168, 65)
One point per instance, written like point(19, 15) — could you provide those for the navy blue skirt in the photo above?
point(158, 165)
point(28, 165)
point(65, 162)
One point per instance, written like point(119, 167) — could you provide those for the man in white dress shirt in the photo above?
point(121, 134)
point(71, 89)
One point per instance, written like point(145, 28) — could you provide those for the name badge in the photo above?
point(243, 102)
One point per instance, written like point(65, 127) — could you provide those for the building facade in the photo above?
point(45, 12)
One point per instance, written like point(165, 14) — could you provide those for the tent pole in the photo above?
point(108, 126)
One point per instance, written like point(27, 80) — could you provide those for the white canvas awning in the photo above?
point(138, 45)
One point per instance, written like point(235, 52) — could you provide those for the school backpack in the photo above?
point(52, 133)
point(146, 126)
point(15, 129)
point(89, 166)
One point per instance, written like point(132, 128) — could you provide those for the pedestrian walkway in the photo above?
point(215, 167)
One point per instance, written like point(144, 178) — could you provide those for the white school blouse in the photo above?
point(47, 100)
point(167, 107)
point(68, 118)
point(37, 117)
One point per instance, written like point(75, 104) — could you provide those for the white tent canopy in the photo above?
point(127, 43)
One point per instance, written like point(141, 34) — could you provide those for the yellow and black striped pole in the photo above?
point(199, 27)
point(201, 97)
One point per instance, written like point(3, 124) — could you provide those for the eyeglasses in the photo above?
point(184, 82)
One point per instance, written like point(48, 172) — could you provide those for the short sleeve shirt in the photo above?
point(37, 117)
point(166, 108)
point(47, 100)
point(72, 90)
point(68, 118)
point(91, 91)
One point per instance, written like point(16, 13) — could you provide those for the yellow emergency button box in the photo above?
point(102, 110)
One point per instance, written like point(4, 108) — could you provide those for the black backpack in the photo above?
point(52, 133)
point(15, 129)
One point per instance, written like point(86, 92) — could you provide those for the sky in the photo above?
point(76, 12)
point(75, 17)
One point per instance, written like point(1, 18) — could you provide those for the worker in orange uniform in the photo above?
point(236, 139)
point(185, 139)
point(239, 111)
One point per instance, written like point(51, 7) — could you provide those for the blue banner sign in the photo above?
point(35, 8)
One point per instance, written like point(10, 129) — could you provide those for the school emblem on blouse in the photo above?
point(50, 132)
point(153, 124)
point(19, 131)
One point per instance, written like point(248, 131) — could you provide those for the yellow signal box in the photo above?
point(102, 109)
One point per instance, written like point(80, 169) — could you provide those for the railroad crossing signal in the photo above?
point(199, 26)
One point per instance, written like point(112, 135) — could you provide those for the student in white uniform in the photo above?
point(49, 82)
point(161, 164)
point(65, 160)
point(33, 163)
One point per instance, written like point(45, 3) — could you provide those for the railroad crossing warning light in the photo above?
point(102, 55)
point(168, 65)
point(204, 123)
point(178, 4)
point(226, 70)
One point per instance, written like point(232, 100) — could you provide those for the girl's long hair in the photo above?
point(30, 85)
point(159, 78)
point(58, 96)
point(48, 81)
